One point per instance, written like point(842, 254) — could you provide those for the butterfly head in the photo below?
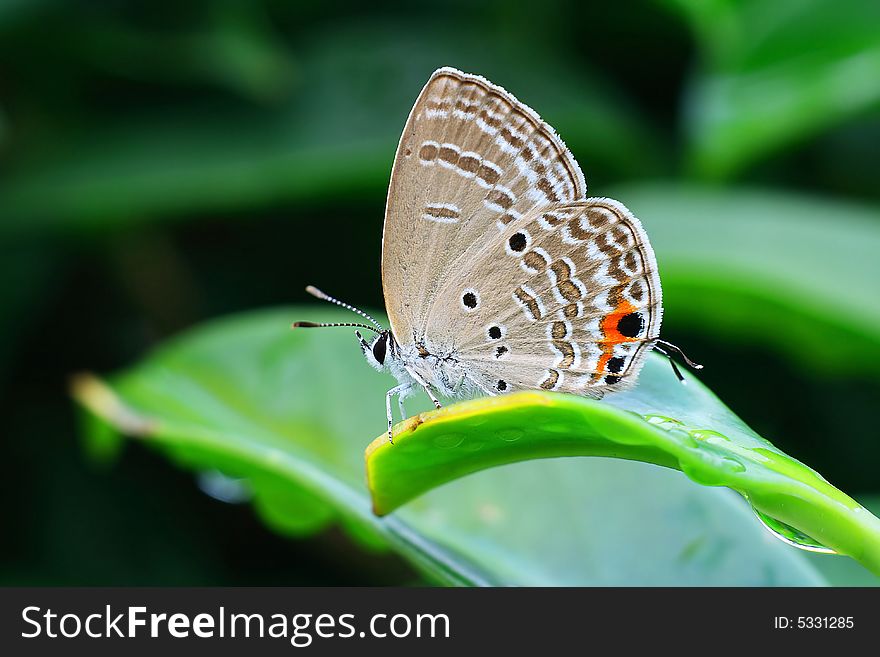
point(380, 350)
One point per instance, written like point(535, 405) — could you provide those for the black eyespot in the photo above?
point(380, 347)
point(517, 242)
point(611, 380)
point(469, 299)
point(631, 325)
point(501, 385)
point(616, 364)
point(494, 332)
point(500, 351)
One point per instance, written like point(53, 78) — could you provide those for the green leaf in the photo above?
point(250, 398)
point(679, 426)
point(846, 572)
point(774, 73)
point(751, 266)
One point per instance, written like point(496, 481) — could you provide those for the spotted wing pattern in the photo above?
point(471, 162)
point(566, 298)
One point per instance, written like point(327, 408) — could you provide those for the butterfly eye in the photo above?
point(380, 347)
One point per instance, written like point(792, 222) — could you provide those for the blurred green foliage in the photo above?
point(165, 163)
point(774, 73)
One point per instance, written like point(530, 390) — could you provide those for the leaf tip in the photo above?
point(100, 399)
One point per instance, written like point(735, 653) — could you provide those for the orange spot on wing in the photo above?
point(612, 335)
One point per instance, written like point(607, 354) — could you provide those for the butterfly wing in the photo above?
point(472, 161)
point(568, 299)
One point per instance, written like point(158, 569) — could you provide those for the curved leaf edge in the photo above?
point(439, 446)
point(106, 410)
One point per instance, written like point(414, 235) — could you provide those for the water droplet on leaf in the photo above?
point(510, 435)
point(448, 440)
point(788, 534)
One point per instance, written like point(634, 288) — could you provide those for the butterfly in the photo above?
point(499, 274)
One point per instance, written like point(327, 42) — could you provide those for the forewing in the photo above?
point(472, 161)
point(568, 299)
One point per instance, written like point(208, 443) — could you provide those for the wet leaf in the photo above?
point(247, 397)
point(660, 421)
point(846, 572)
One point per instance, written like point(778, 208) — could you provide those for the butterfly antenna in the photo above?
point(683, 355)
point(315, 292)
point(325, 324)
point(672, 347)
point(671, 362)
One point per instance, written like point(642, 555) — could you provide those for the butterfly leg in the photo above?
point(437, 404)
point(396, 390)
point(425, 385)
